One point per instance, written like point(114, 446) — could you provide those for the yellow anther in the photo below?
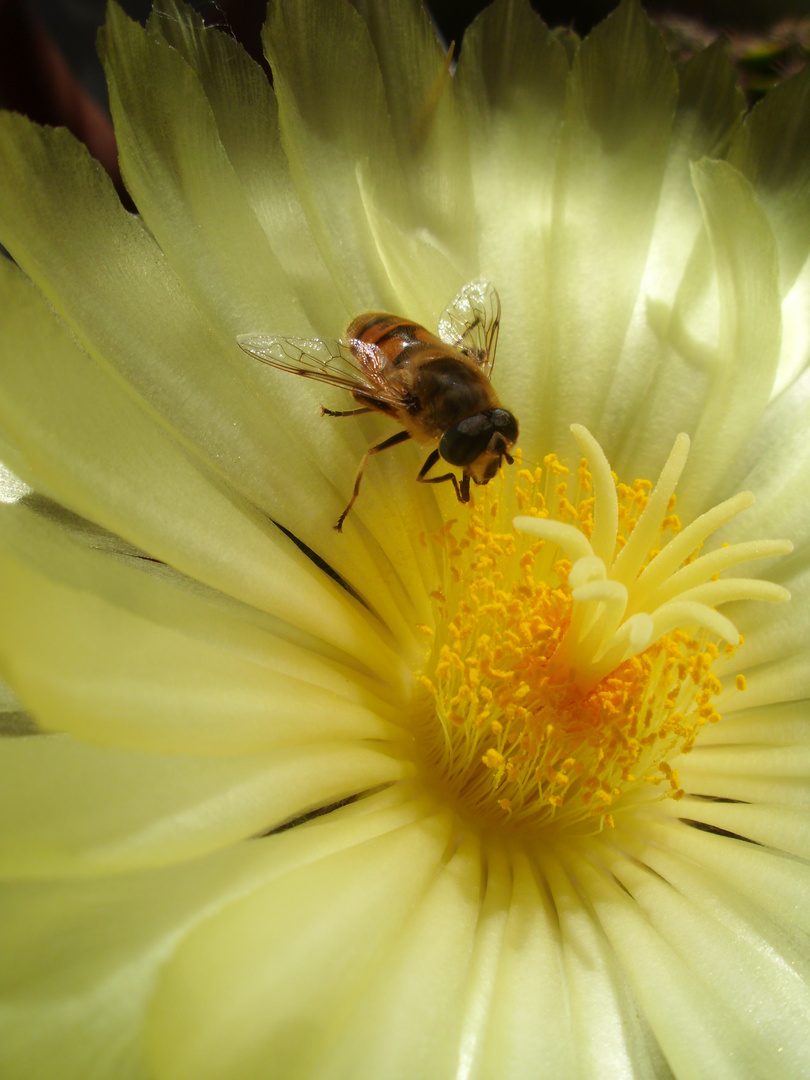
point(493, 759)
point(524, 724)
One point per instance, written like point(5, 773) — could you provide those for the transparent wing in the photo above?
point(471, 323)
point(352, 365)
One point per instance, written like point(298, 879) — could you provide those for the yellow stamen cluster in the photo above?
point(567, 670)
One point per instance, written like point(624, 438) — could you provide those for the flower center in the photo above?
point(574, 647)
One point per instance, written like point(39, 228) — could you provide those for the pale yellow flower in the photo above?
point(309, 805)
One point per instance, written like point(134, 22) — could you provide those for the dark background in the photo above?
point(72, 24)
point(49, 68)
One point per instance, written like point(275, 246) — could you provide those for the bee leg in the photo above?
point(462, 490)
point(394, 440)
point(348, 412)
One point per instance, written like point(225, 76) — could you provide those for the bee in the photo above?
point(437, 388)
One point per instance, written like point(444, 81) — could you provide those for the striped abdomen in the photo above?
point(400, 340)
point(442, 385)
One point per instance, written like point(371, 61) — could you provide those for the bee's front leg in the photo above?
point(462, 490)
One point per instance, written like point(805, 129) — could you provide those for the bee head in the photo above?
point(479, 442)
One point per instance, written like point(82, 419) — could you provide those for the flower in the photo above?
point(444, 795)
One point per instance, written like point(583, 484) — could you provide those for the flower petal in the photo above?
point(774, 886)
point(774, 465)
point(70, 809)
point(721, 997)
point(62, 221)
point(176, 168)
point(430, 139)
point(527, 1033)
point(334, 123)
point(178, 171)
point(511, 81)
point(750, 773)
point(610, 1034)
point(262, 980)
point(91, 446)
point(694, 1028)
point(783, 724)
point(749, 331)
point(650, 373)
point(116, 655)
point(772, 148)
point(781, 828)
point(246, 113)
point(80, 959)
point(405, 1020)
point(619, 109)
point(729, 382)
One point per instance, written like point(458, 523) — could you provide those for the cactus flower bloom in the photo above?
point(509, 789)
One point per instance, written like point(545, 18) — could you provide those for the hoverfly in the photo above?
point(436, 388)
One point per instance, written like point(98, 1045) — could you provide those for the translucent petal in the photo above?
point(486, 952)
point(772, 148)
point(104, 455)
point(105, 650)
point(103, 272)
point(650, 373)
point(773, 885)
point(528, 1032)
point(729, 370)
point(749, 332)
point(795, 352)
point(750, 773)
point(715, 953)
point(181, 179)
point(753, 786)
point(782, 828)
point(80, 959)
point(619, 108)
point(100, 268)
point(700, 1023)
point(245, 110)
point(609, 1032)
point(337, 134)
point(511, 84)
point(773, 464)
point(405, 1020)
point(771, 725)
point(771, 637)
point(785, 679)
point(426, 126)
point(256, 981)
point(71, 809)
point(331, 115)
point(224, 262)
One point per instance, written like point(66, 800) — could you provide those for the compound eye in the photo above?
point(505, 423)
point(467, 440)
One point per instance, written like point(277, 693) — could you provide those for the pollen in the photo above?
point(577, 648)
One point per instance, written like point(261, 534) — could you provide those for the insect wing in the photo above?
point(471, 322)
point(351, 365)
